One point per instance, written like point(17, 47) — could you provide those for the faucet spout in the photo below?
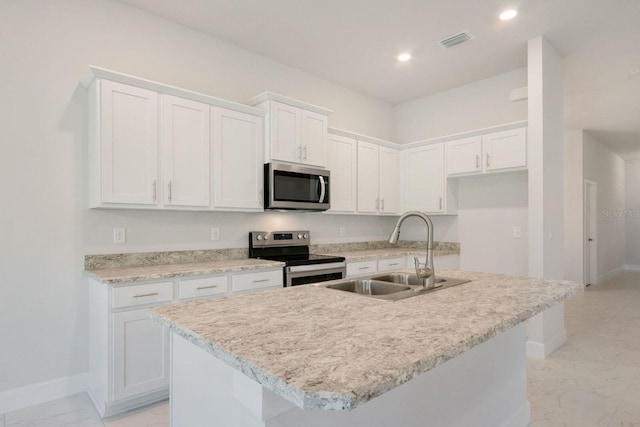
point(423, 270)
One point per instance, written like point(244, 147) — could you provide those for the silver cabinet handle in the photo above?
point(260, 198)
point(170, 191)
point(260, 280)
point(488, 161)
point(363, 268)
point(206, 287)
point(305, 152)
point(377, 204)
point(382, 205)
point(155, 192)
point(477, 161)
point(440, 203)
point(394, 263)
point(147, 295)
point(299, 152)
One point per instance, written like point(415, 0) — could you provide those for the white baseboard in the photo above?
point(608, 274)
point(541, 350)
point(35, 394)
point(632, 267)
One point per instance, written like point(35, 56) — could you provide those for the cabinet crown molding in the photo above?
point(272, 96)
point(104, 73)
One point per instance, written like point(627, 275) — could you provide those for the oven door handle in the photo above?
point(320, 268)
point(323, 189)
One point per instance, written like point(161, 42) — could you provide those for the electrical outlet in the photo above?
point(215, 233)
point(343, 232)
point(119, 236)
point(517, 232)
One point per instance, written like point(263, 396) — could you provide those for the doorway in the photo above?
point(590, 233)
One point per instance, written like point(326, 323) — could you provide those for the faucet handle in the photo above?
point(423, 270)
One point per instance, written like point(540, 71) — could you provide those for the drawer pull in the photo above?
point(147, 295)
point(394, 263)
point(363, 268)
point(260, 280)
point(206, 287)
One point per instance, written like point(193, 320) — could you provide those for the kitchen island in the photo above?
point(314, 356)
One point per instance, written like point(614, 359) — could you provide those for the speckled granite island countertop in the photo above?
point(150, 272)
point(331, 350)
point(368, 251)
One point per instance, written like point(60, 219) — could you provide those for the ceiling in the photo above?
point(355, 43)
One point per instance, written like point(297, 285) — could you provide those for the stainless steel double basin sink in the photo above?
point(392, 286)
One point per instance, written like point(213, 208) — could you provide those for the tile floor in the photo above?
point(592, 380)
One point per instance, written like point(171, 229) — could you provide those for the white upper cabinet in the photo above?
point(313, 141)
point(185, 152)
point(368, 177)
point(464, 156)
point(238, 141)
point(493, 152)
point(125, 143)
point(424, 185)
point(296, 131)
point(389, 180)
point(505, 150)
point(377, 179)
point(285, 132)
point(342, 163)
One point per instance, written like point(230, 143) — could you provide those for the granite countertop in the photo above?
point(331, 350)
point(367, 254)
point(150, 272)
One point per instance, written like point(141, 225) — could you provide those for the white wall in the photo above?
point(573, 206)
point(477, 105)
point(45, 228)
point(488, 209)
point(632, 219)
point(607, 169)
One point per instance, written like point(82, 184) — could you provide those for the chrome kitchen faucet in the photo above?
point(424, 270)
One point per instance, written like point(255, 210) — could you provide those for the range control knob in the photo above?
point(265, 237)
point(306, 236)
point(299, 236)
point(259, 237)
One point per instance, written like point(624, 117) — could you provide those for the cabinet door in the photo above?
point(237, 158)
point(368, 200)
point(186, 152)
point(389, 181)
point(464, 156)
point(342, 162)
point(129, 144)
point(423, 180)
point(505, 150)
point(141, 354)
point(285, 132)
point(313, 138)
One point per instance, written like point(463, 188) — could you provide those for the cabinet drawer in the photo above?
point(207, 286)
point(392, 264)
point(361, 267)
point(263, 279)
point(153, 293)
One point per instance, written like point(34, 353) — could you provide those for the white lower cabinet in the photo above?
point(128, 351)
point(360, 268)
point(391, 264)
point(140, 354)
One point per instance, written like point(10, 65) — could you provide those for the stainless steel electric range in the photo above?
point(292, 248)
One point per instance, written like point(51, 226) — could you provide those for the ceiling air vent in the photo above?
point(455, 39)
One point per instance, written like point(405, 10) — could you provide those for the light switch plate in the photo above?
point(517, 232)
point(215, 233)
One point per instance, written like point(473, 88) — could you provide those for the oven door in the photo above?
point(305, 274)
point(296, 187)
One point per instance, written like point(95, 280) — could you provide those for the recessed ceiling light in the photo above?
point(404, 57)
point(508, 14)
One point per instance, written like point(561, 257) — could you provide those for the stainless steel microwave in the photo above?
point(293, 187)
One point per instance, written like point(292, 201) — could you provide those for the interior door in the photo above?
point(590, 231)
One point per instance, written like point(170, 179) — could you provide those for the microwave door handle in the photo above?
point(323, 188)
